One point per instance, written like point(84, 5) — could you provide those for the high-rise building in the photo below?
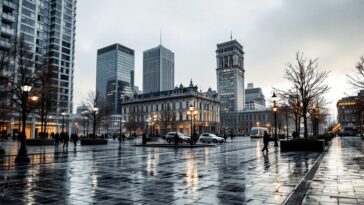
point(48, 27)
point(230, 76)
point(254, 95)
point(158, 69)
point(115, 74)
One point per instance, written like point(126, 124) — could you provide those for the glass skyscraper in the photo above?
point(158, 69)
point(115, 74)
point(230, 76)
point(48, 26)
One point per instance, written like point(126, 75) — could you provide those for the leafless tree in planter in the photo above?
point(97, 108)
point(308, 82)
point(357, 78)
point(45, 89)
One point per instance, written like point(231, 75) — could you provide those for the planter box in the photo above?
point(39, 142)
point(152, 139)
point(93, 142)
point(302, 145)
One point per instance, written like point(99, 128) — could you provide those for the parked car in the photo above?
point(208, 137)
point(181, 137)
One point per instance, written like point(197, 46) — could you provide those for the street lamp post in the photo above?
point(286, 107)
point(155, 116)
point(274, 98)
point(22, 154)
point(63, 114)
point(193, 112)
point(94, 112)
point(121, 126)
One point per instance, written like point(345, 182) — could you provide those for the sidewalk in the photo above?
point(340, 177)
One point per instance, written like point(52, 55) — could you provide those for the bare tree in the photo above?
point(357, 78)
point(131, 124)
point(318, 113)
point(45, 89)
point(293, 106)
point(308, 82)
point(97, 108)
point(357, 81)
point(5, 86)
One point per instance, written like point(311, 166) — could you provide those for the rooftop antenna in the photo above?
point(160, 36)
point(231, 35)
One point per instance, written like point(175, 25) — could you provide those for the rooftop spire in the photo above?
point(160, 36)
point(231, 35)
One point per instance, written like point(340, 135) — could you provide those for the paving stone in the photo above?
point(231, 173)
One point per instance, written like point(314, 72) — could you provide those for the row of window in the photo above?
point(171, 106)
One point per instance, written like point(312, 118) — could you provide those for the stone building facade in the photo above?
point(350, 114)
point(165, 111)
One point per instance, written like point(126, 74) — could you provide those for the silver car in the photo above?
point(208, 137)
point(181, 137)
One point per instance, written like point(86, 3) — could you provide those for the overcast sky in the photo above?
point(271, 32)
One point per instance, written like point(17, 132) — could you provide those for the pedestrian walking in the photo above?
point(119, 138)
point(265, 141)
point(56, 139)
point(176, 139)
point(123, 136)
point(232, 136)
point(65, 140)
point(75, 139)
point(225, 137)
point(144, 139)
point(114, 136)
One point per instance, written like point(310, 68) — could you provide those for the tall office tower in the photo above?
point(48, 27)
point(115, 74)
point(254, 95)
point(230, 76)
point(158, 69)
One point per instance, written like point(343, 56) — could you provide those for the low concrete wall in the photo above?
point(39, 142)
point(302, 145)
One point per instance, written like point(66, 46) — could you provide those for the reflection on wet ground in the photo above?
point(340, 178)
point(232, 173)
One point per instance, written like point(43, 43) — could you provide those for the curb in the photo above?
point(299, 192)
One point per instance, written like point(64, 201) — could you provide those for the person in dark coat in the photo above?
point(56, 139)
point(75, 139)
point(176, 139)
point(265, 141)
point(225, 137)
point(144, 139)
point(66, 138)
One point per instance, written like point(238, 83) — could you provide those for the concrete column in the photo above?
point(32, 130)
point(12, 126)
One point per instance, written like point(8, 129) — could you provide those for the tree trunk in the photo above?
point(305, 123)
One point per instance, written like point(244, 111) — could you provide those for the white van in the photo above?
point(257, 132)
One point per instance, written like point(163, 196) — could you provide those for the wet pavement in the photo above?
point(232, 173)
point(340, 177)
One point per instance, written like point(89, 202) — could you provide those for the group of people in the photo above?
point(64, 138)
point(226, 137)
